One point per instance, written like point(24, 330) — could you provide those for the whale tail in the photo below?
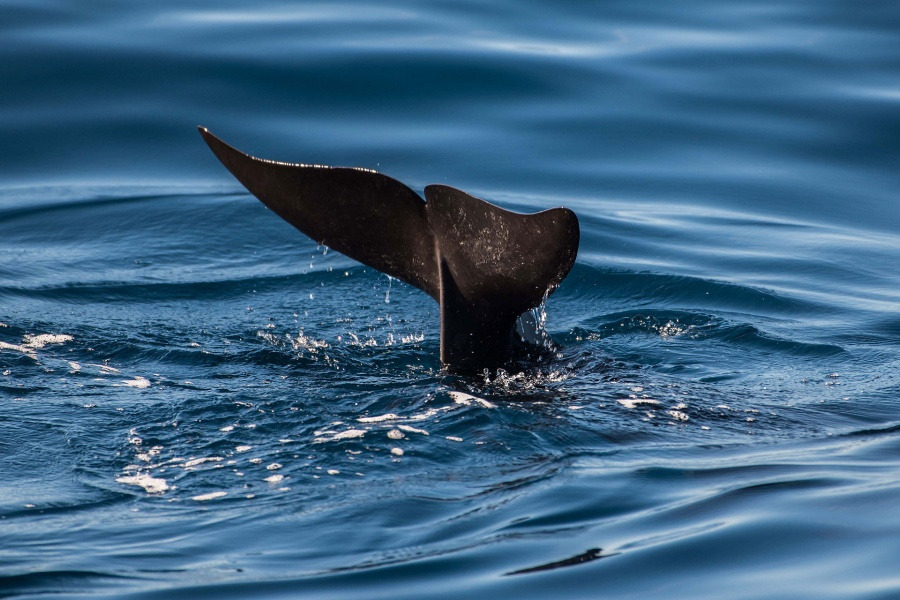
point(484, 265)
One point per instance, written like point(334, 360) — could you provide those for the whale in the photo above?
point(487, 267)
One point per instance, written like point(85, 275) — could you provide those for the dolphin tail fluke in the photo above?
point(483, 264)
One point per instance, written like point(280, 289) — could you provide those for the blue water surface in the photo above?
point(197, 401)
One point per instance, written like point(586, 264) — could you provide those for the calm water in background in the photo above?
point(197, 400)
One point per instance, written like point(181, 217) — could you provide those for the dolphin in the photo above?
point(485, 266)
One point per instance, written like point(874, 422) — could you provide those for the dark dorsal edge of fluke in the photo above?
point(484, 265)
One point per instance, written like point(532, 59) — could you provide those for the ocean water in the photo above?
point(197, 401)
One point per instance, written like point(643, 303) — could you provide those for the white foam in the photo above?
point(22, 349)
point(137, 382)
point(635, 402)
point(396, 434)
point(468, 399)
point(350, 434)
point(44, 339)
point(151, 485)
point(678, 415)
point(379, 419)
point(424, 415)
point(343, 435)
point(274, 479)
point(148, 455)
point(397, 451)
point(209, 496)
point(410, 429)
point(428, 414)
point(199, 461)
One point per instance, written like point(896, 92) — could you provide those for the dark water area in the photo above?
point(197, 401)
